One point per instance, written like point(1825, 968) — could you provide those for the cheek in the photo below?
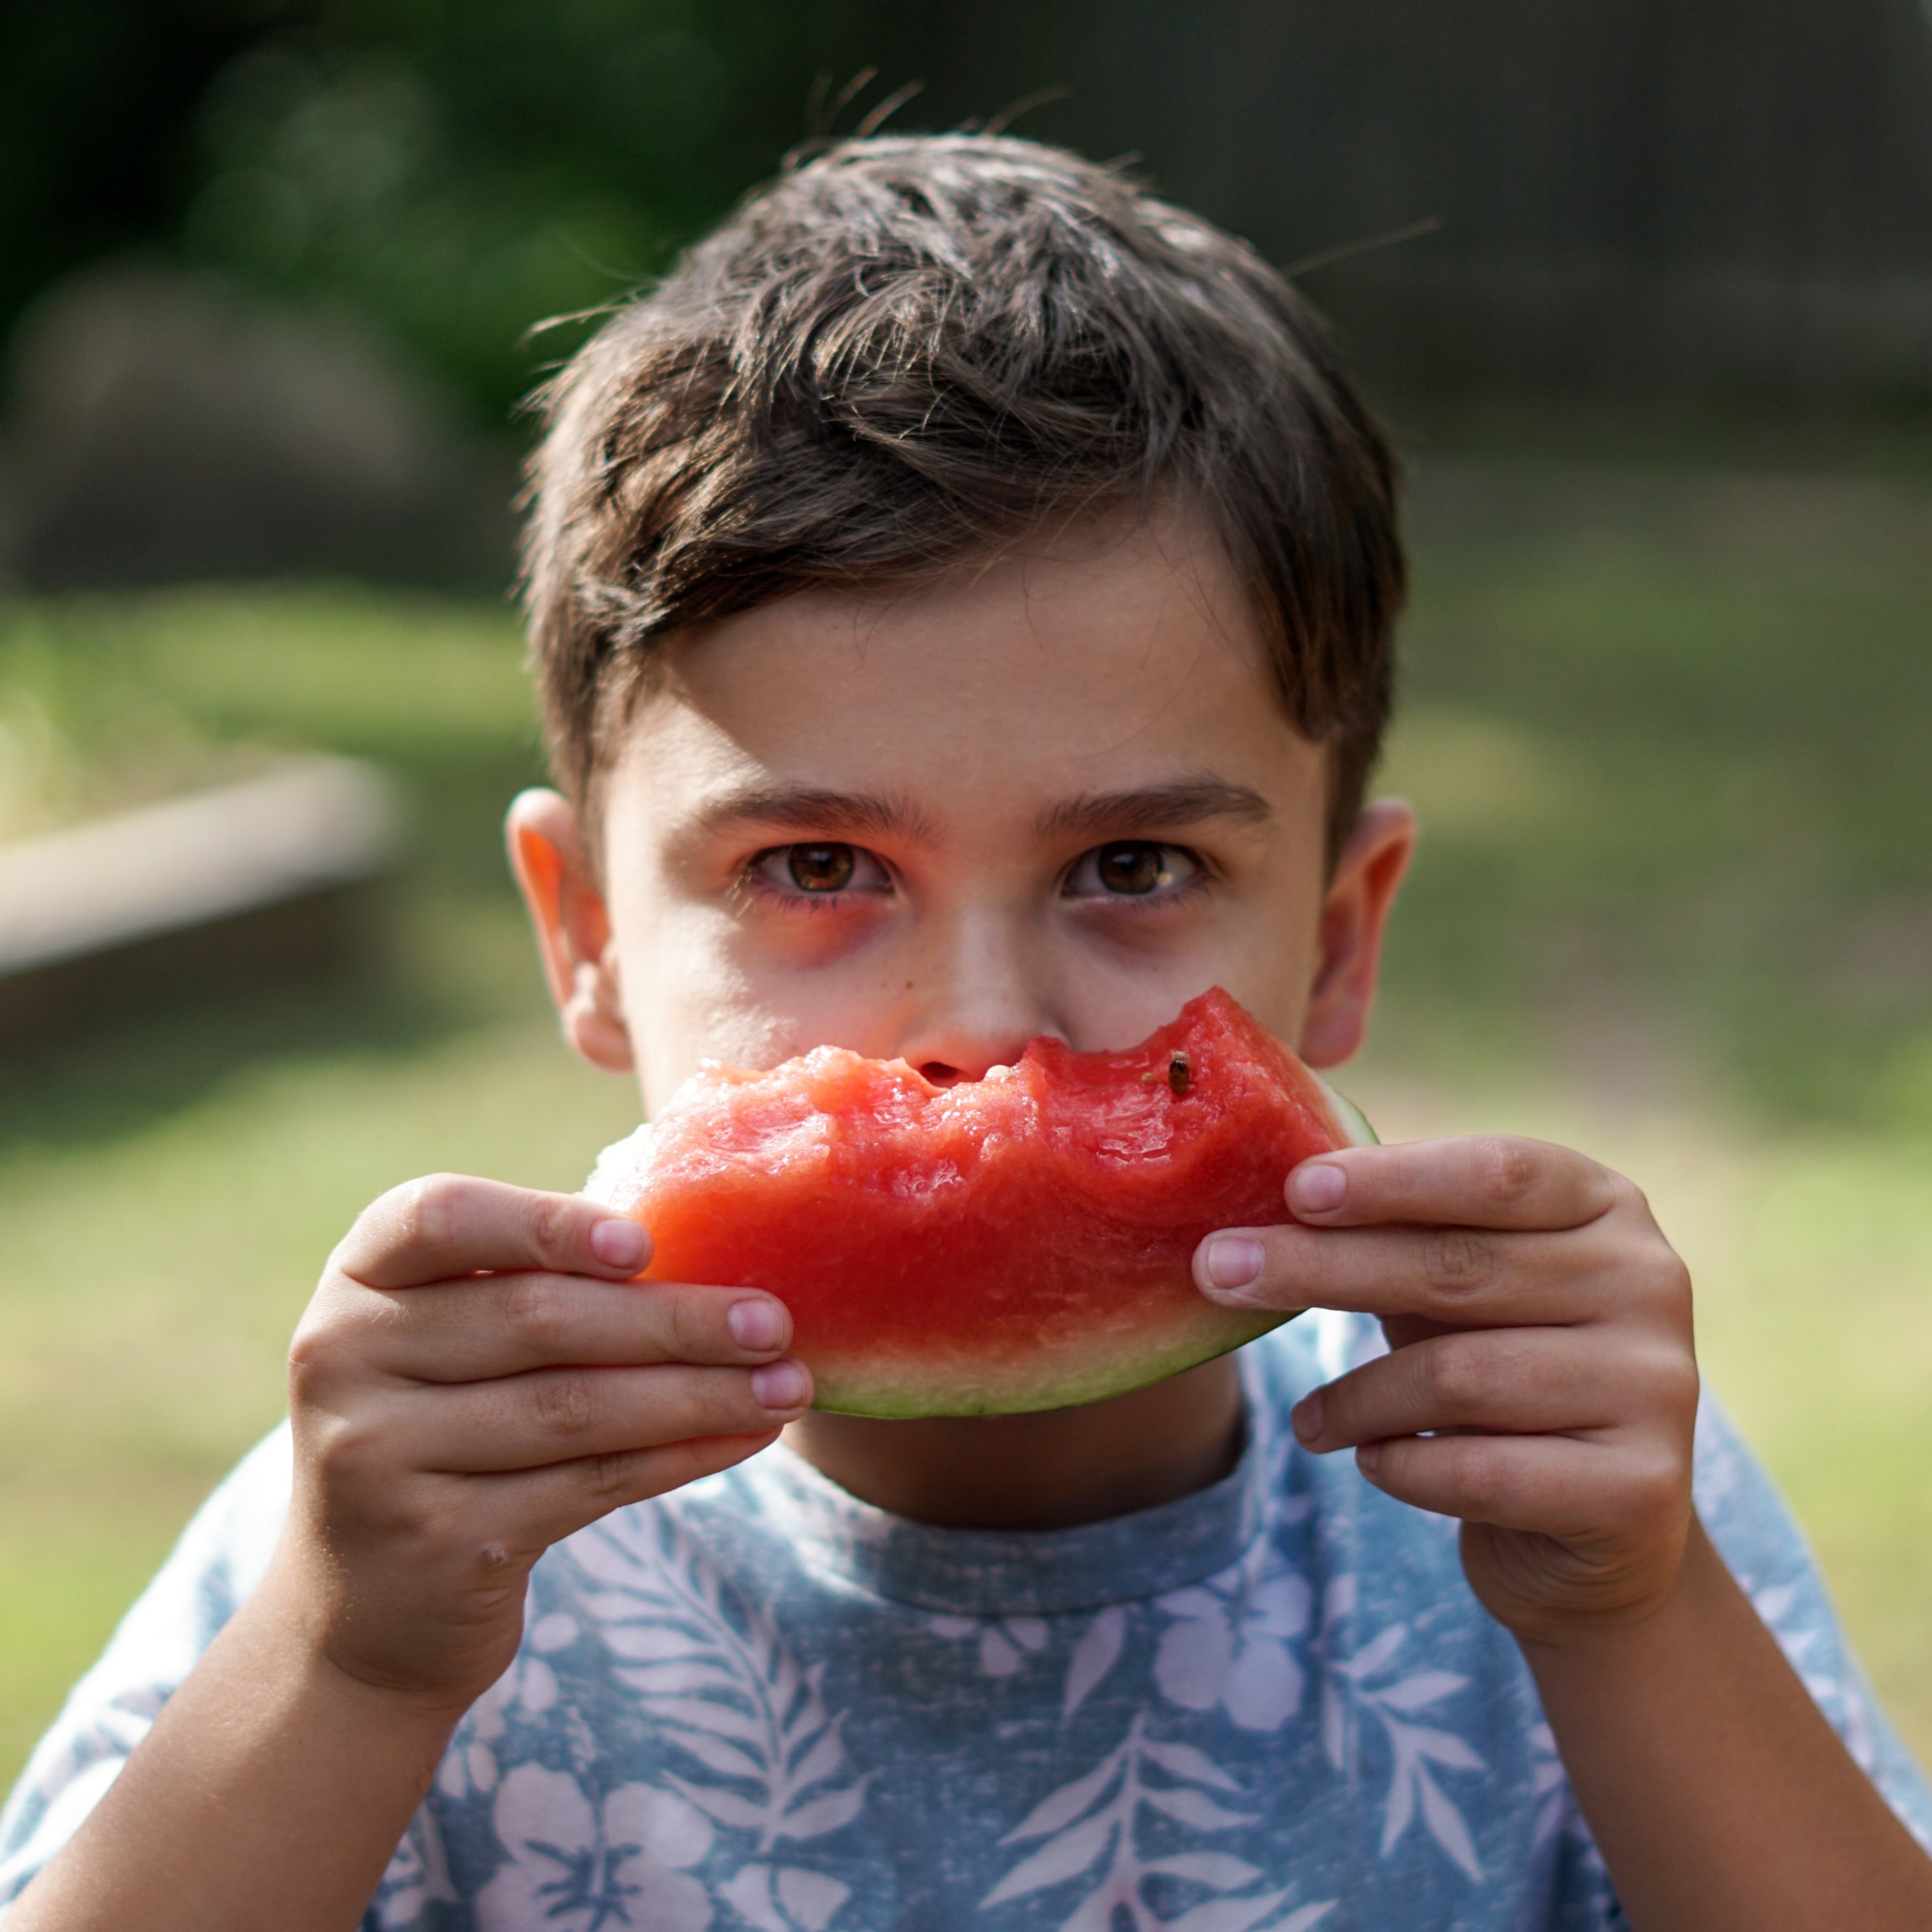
point(1271, 969)
point(696, 987)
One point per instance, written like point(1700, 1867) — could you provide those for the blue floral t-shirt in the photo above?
point(759, 1703)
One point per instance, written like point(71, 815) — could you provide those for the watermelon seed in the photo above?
point(1180, 1075)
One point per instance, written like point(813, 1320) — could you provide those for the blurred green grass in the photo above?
point(1667, 730)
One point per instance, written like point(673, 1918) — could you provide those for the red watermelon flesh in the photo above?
point(1023, 1241)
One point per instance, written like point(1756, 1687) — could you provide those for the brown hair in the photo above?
point(906, 350)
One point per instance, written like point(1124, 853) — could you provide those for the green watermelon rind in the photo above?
point(1353, 1122)
point(897, 1397)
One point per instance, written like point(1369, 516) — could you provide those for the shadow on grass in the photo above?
point(129, 1074)
point(438, 964)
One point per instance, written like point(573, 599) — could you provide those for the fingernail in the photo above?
point(619, 1244)
point(1233, 1262)
point(1307, 1416)
point(1316, 1187)
point(756, 1324)
point(1367, 1456)
point(779, 1385)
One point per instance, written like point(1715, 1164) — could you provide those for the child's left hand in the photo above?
point(1541, 1384)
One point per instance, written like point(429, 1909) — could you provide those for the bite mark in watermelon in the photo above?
point(1020, 1242)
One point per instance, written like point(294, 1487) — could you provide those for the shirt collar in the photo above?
point(1019, 1572)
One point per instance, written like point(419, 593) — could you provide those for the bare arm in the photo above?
point(1717, 1793)
point(1541, 1386)
point(476, 1378)
point(272, 1792)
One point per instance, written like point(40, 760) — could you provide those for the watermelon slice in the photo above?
point(1019, 1242)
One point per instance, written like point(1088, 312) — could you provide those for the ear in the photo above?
point(1353, 916)
point(552, 863)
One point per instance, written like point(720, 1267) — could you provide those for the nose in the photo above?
point(976, 1003)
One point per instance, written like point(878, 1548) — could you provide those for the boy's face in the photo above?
point(1056, 794)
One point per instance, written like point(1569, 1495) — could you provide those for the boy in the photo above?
point(961, 595)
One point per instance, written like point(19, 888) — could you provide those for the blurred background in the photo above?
point(1657, 347)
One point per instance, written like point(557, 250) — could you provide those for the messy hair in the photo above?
point(906, 351)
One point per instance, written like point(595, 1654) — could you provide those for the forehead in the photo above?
point(1120, 654)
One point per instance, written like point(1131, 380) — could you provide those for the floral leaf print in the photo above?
point(581, 1866)
point(1196, 1808)
point(709, 1667)
point(1225, 1915)
point(1419, 1692)
point(786, 1899)
point(1348, 1691)
point(418, 1874)
point(1305, 1918)
point(528, 1685)
point(1184, 1761)
point(816, 1761)
point(1446, 1826)
point(1070, 1801)
point(1550, 1786)
point(1065, 1857)
point(1227, 1645)
point(1095, 1653)
point(1004, 1644)
point(1092, 1828)
point(1221, 1870)
point(725, 1807)
point(814, 1819)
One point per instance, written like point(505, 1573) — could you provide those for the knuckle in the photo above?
point(348, 1452)
point(429, 1210)
point(534, 1314)
point(315, 1352)
point(1456, 1375)
point(1506, 1170)
point(1676, 1383)
point(1655, 1485)
point(1663, 1281)
point(565, 1407)
point(1457, 1261)
point(1673, 1276)
point(685, 1325)
point(551, 1216)
point(612, 1479)
point(307, 1369)
point(1624, 1195)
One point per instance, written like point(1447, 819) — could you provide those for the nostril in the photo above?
point(941, 1075)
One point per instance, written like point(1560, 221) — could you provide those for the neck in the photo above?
point(1054, 1470)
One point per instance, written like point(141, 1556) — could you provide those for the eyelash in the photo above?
point(1199, 877)
point(752, 881)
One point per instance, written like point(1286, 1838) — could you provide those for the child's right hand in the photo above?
point(476, 1377)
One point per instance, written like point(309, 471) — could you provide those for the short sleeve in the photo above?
point(1767, 1553)
point(219, 1559)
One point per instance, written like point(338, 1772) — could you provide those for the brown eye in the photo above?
point(1132, 869)
point(820, 869)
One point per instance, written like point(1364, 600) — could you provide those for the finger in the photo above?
point(454, 1224)
point(1510, 1380)
point(552, 1503)
point(1490, 1181)
point(1554, 1485)
point(1461, 1276)
point(487, 1326)
point(557, 1415)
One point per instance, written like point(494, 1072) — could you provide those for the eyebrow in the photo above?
point(816, 808)
point(1139, 809)
point(1153, 809)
